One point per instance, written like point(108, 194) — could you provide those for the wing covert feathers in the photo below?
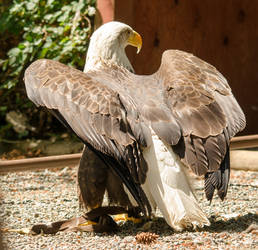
point(202, 103)
point(92, 109)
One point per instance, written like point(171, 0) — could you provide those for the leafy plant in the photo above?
point(35, 29)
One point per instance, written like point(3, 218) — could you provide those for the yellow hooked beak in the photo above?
point(135, 40)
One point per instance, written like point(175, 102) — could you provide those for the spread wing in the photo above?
point(202, 103)
point(206, 112)
point(190, 106)
point(93, 110)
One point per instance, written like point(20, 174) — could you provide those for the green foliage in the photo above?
point(35, 29)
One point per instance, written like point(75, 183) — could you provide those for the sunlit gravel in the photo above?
point(45, 196)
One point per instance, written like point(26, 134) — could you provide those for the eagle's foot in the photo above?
point(125, 217)
point(87, 223)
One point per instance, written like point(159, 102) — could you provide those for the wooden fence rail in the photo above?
point(240, 159)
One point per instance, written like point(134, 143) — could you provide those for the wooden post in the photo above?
point(106, 10)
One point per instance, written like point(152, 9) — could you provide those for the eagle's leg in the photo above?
point(118, 196)
point(91, 178)
point(94, 178)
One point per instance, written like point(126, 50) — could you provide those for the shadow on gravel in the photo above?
point(238, 224)
point(159, 226)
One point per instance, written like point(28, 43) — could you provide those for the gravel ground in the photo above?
point(45, 196)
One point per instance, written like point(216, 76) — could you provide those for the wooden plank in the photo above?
point(240, 142)
point(244, 160)
point(31, 164)
point(240, 159)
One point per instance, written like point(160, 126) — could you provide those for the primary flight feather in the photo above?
point(146, 128)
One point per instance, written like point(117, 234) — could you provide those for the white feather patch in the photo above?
point(169, 187)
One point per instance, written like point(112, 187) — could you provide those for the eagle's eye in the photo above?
point(128, 32)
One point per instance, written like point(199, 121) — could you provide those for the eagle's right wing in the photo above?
point(93, 110)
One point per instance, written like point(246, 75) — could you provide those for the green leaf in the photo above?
point(37, 30)
point(38, 42)
point(50, 2)
point(91, 11)
point(30, 6)
point(3, 108)
point(21, 46)
point(43, 52)
point(12, 60)
point(10, 84)
point(2, 62)
point(48, 17)
point(13, 52)
point(5, 65)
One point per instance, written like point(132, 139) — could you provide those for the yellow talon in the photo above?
point(135, 220)
point(87, 223)
point(119, 217)
point(124, 217)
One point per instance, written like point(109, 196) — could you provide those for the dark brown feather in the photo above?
point(94, 178)
point(218, 180)
point(91, 183)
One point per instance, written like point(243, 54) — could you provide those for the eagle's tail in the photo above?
point(180, 208)
point(170, 189)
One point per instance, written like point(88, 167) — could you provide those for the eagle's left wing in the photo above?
point(190, 106)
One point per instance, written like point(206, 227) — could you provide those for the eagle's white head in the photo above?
point(108, 44)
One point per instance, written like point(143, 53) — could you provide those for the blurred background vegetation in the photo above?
point(32, 29)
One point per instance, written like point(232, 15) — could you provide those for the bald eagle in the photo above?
point(145, 128)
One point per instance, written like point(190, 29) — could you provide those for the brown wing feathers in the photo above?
point(119, 167)
point(202, 103)
point(93, 111)
point(218, 179)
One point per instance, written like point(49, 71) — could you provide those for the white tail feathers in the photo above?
point(169, 187)
point(181, 209)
